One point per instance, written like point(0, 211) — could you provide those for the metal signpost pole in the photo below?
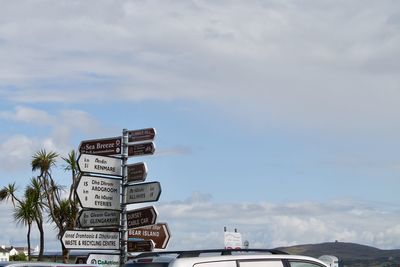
point(124, 230)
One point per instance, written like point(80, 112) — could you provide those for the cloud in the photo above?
point(329, 66)
point(198, 223)
point(16, 150)
point(280, 224)
point(27, 115)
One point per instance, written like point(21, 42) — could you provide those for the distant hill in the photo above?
point(349, 254)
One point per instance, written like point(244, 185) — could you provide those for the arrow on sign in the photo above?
point(98, 218)
point(99, 193)
point(159, 233)
point(141, 135)
point(141, 149)
point(103, 147)
point(141, 217)
point(137, 172)
point(100, 164)
point(90, 240)
point(145, 192)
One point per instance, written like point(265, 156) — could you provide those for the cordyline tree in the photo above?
point(62, 212)
point(26, 210)
point(43, 195)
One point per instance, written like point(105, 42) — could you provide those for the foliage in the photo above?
point(19, 257)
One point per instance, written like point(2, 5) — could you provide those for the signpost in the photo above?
point(105, 199)
point(137, 172)
point(141, 217)
point(103, 147)
point(99, 193)
point(140, 245)
point(159, 233)
point(99, 218)
point(100, 164)
point(145, 192)
point(90, 240)
point(141, 135)
point(107, 260)
point(141, 149)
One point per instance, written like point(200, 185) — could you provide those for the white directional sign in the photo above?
point(106, 260)
point(91, 240)
point(99, 193)
point(145, 192)
point(99, 218)
point(100, 164)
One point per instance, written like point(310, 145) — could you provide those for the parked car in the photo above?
point(223, 258)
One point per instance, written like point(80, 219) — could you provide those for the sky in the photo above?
point(278, 118)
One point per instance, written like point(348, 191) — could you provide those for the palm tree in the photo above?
point(24, 213)
point(34, 192)
point(44, 182)
point(62, 212)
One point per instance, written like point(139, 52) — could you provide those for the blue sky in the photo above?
point(271, 116)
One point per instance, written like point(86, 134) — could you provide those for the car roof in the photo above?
point(189, 258)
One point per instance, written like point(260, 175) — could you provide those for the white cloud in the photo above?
point(28, 115)
point(273, 225)
point(200, 224)
point(329, 66)
point(16, 151)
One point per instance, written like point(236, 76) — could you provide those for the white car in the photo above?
point(223, 258)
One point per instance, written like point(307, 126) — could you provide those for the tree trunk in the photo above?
point(65, 253)
point(28, 238)
point(41, 247)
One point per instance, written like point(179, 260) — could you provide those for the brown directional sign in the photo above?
point(102, 147)
point(137, 172)
point(141, 149)
point(140, 246)
point(141, 135)
point(159, 233)
point(141, 217)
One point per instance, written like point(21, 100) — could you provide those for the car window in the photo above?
point(261, 263)
point(303, 264)
point(216, 264)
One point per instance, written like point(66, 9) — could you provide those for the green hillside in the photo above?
point(349, 254)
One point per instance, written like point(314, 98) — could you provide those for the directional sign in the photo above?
point(107, 260)
point(159, 233)
point(141, 217)
point(137, 172)
point(100, 164)
point(141, 135)
point(103, 147)
point(99, 193)
point(140, 246)
point(145, 192)
point(141, 149)
point(90, 240)
point(99, 218)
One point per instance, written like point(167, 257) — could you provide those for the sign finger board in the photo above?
point(99, 218)
point(100, 164)
point(141, 193)
point(99, 192)
point(141, 217)
point(103, 147)
point(75, 239)
point(159, 233)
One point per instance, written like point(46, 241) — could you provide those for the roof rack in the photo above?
point(196, 253)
